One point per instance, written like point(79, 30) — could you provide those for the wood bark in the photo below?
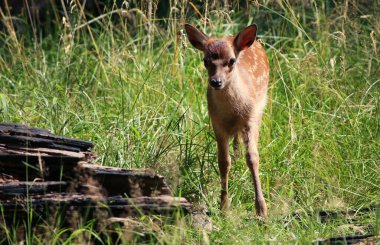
point(48, 174)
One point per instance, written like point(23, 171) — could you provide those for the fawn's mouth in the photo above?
point(218, 88)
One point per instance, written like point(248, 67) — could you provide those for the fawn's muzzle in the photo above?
point(216, 83)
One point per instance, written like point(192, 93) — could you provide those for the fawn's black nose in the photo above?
point(216, 82)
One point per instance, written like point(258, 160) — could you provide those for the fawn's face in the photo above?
point(219, 60)
point(221, 54)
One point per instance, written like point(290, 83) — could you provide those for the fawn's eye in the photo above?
point(231, 62)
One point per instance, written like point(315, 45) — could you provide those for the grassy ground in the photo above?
point(136, 88)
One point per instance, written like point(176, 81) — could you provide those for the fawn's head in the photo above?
point(221, 54)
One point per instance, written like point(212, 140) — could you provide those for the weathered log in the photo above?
point(40, 152)
point(26, 167)
point(22, 135)
point(159, 205)
point(27, 153)
point(6, 178)
point(12, 128)
point(50, 175)
point(114, 181)
point(354, 239)
point(326, 215)
point(129, 182)
point(25, 189)
point(113, 206)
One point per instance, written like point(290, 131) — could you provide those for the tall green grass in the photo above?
point(136, 88)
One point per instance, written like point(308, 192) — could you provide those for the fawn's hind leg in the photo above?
point(251, 135)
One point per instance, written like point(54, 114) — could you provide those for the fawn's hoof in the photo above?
point(262, 213)
point(261, 209)
point(225, 205)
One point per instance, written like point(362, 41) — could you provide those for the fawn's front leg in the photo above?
point(251, 135)
point(224, 163)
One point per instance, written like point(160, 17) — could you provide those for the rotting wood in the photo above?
point(114, 206)
point(350, 215)
point(29, 167)
point(41, 152)
point(140, 182)
point(21, 188)
point(45, 173)
point(32, 142)
point(18, 134)
point(354, 239)
point(326, 215)
point(6, 178)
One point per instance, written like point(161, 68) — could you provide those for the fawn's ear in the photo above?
point(197, 38)
point(245, 38)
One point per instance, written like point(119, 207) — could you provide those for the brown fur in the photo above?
point(236, 107)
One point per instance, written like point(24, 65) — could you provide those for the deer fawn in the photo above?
point(238, 72)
